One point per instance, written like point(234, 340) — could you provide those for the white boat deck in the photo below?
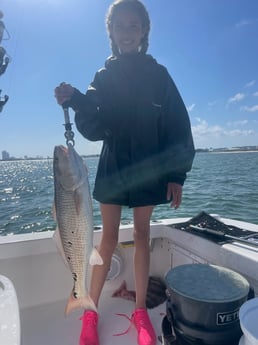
point(42, 282)
point(48, 325)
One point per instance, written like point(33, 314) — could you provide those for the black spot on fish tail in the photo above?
point(75, 277)
point(75, 294)
point(69, 244)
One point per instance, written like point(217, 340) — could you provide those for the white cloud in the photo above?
point(239, 132)
point(203, 129)
point(255, 94)
point(191, 107)
point(238, 123)
point(251, 83)
point(206, 135)
point(237, 98)
point(250, 109)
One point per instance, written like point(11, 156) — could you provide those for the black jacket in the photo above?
point(134, 106)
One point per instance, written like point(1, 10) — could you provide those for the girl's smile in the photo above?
point(127, 31)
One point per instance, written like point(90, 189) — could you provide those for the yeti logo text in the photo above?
point(227, 317)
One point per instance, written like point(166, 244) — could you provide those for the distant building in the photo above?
point(5, 155)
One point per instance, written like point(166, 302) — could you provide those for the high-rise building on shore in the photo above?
point(5, 155)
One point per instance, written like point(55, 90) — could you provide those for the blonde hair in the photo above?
point(140, 10)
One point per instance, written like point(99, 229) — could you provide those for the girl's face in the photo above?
point(127, 31)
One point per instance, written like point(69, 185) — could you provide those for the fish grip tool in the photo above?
point(69, 134)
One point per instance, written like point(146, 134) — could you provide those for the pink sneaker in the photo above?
point(146, 333)
point(89, 331)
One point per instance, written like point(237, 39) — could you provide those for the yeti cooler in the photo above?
point(204, 301)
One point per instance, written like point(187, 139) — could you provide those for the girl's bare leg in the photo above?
point(110, 220)
point(142, 217)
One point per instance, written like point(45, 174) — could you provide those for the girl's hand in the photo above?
point(63, 93)
point(174, 192)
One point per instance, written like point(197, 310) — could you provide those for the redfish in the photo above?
point(74, 217)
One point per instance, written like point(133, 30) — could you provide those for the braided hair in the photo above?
point(137, 7)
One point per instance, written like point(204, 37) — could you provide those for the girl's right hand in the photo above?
point(63, 93)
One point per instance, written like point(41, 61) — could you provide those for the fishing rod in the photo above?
point(224, 236)
point(3, 29)
point(4, 59)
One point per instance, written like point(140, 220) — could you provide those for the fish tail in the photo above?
point(85, 302)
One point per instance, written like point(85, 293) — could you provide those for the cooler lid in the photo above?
point(204, 282)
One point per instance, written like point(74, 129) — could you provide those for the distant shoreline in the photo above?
point(226, 151)
point(239, 151)
point(234, 149)
point(14, 159)
point(222, 150)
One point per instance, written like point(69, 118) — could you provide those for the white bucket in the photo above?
point(248, 315)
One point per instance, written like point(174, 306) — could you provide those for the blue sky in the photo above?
point(209, 47)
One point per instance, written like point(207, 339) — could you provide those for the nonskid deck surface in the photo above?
point(205, 220)
point(47, 325)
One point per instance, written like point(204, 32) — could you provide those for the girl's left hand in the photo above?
point(174, 193)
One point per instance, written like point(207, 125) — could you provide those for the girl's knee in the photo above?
point(142, 234)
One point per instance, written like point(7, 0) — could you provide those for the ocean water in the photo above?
point(220, 183)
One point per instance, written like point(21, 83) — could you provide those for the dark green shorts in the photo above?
point(108, 191)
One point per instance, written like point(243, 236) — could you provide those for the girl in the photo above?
point(134, 106)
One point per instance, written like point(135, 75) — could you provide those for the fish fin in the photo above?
point(124, 293)
point(76, 303)
point(129, 295)
point(95, 258)
point(59, 246)
point(118, 292)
